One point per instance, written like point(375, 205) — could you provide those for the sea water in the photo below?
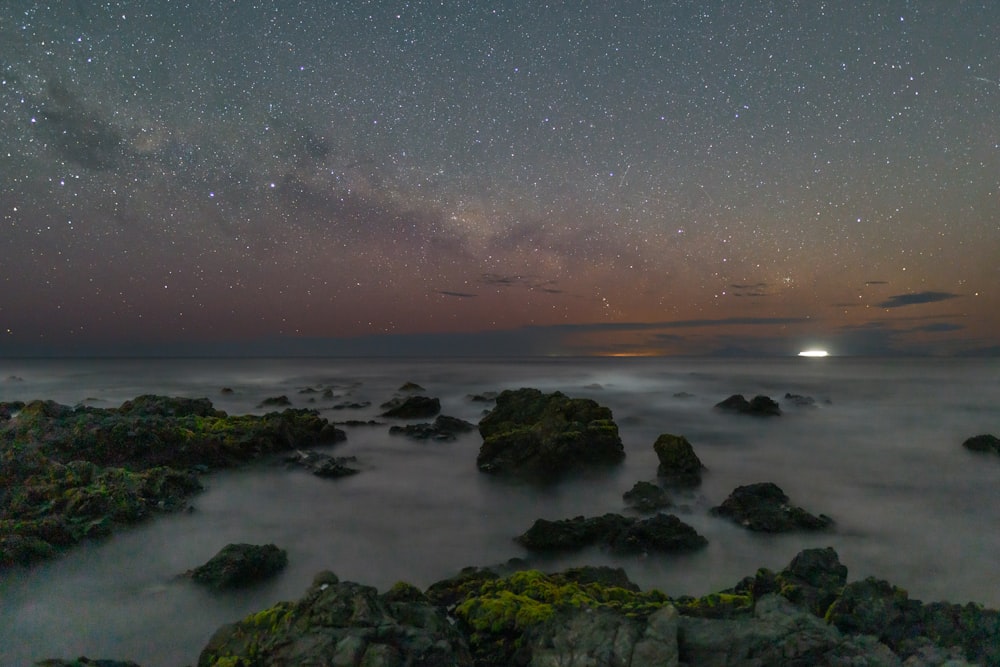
point(880, 452)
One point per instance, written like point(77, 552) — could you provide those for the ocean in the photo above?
point(880, 452)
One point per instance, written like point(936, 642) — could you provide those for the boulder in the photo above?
point(410, 386)
point(801, 401)
point(619, 534)
point(983, 443)
point(759, 406)
point(764, 507)
point(413, 407)
point(646, 497)
point(542, 436)
point(239, 565)
point(679, 465)
point(342, 623)
point(275, 402)
point(814, 579)
point(323, 465)
point(443, 428)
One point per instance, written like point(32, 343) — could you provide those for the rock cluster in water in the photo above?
point(68, 473)
point(764, 507)
point(758, 406)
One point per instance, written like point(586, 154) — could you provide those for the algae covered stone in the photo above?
point(239, 565)
point(764, 507)
point(679, 465)
point(540, 435)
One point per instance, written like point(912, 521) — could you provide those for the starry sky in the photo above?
point(679, 177)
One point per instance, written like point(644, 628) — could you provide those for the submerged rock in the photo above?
point(239, 565)
point(324, 465)
point(764, 507)
point(983, 443)
point(275, 402)
point(413, 407)
point(679, 465)
point(443, 428)
point(342, 623)
point(759, 406)
point(541, 436)
point(620, 534)
point(646, 497)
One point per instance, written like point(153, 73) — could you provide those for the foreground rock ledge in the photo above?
point(542, 436)
point(807, 614)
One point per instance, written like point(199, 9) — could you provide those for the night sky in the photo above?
point(519, 177)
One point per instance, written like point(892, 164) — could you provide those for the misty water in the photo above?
point(880, 453)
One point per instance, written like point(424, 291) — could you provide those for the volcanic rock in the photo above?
point(764, 507)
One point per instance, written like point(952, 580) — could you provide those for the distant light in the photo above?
point(813, 353)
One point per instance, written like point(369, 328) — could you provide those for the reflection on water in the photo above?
point(879, 453)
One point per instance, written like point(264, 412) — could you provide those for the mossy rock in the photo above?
point(679, 465)
point(542, 436)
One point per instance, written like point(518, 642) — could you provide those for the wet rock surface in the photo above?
point(412, 407)
point(619, 534)
point(443, 428)
point(646, 497)
point(764, 507)
point(758, 406)
point(679, 465)
point(238, 565)
point(542, 436)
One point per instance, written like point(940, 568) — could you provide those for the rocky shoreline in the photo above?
point(70, 474)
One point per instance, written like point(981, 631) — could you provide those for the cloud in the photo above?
point(939, 327)
point(756, 289)
point(913, 298)
point(462, 295)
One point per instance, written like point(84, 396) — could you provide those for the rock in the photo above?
point(443, 428)
point(411, 386)
point(983, 443)
point(225, 391)
point(542, 436)
point(323, 465)
point(679, 465)
point(801, 401)
point(485, 397)
point(764, 507)
point(342, 623)
point(814, 579)
point(646, 497)
point(619, 534)
point(351, 405)
point(275, 402)
point(683, 394)
point(414, 407)
point(239, 565)
point(759, 406)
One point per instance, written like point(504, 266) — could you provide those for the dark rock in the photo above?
point(759, 406)
point(662, 533)
point(646, 497)
point(544, 435)
point(239, 565)
point(679, 465)
point(764, 507)
point(275, 402)
point(801, 401)
point(323, 465)
point(411, 386)
point(443, 428)
point(342, 623)
point(683, 394)
point(414, 407)
point(485, 397)
point(225, 391)
point(351, 405)
point(983, 443)
point(814, 579)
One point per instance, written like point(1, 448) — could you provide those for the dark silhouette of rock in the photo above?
point(84, 661)
point(764, 507)
point(275, 402)
point(542, 436)
point(800, 400)
point(485, 397)
point(443, 428)
point(759, 406)
point(646, 497)
point(983, 443)
point(413, 407)
point(662, 533)
point(411, 386)
point(239, 565)
point(679, 465)
point(323, 465)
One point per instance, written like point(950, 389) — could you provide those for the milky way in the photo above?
point(573, 177)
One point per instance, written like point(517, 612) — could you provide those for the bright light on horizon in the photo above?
point(813, 353)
